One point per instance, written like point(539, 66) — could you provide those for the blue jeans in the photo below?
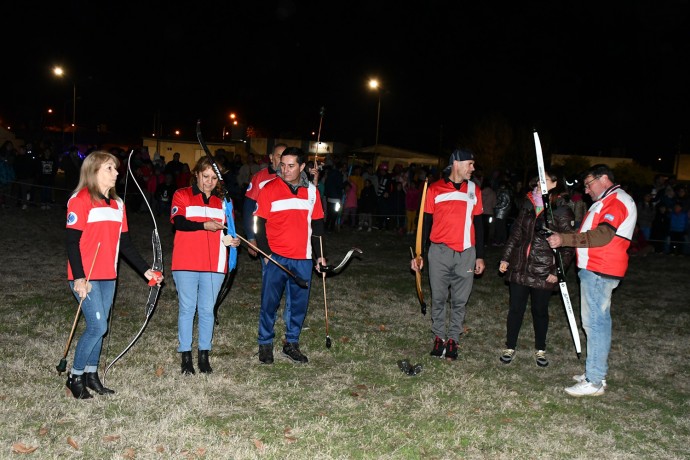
point(274, 282)
point(286, 310)
point(196, 291)
point(96, 308)
point(595, 305)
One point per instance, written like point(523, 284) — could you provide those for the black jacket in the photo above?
point(527, 252)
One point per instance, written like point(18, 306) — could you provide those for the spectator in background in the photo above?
point(164, 194)
point(579, 207)
point(645, 215)
point(504, 203)
point(383, 193)
point(71, 164)
point(367, 206)
point(24, 170)
point(184, 178)
point(678, 227)
point(334, 187)
point(489, 202)
point(398, 207)
point(174, 166)
point(413, 198)
point(246, 171)
point(350, 209)
point(155, 179)
point(7, 154)
point(47, 168)
point(661, 226)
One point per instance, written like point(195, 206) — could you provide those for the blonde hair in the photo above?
point(88, 174)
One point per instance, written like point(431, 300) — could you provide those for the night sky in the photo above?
point(591, 77)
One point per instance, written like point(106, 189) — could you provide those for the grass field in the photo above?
point(350, 401)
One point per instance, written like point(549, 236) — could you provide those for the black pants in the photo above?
point(519, 295)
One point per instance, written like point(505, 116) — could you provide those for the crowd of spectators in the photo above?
point(356, 197)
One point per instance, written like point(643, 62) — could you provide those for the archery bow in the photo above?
point(156, 267)
point(418, 247)
point(325, 303)
point(229, 229)
point(548, 213)
point(335, 270)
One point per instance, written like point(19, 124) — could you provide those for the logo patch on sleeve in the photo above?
point(174, 210)
point(608, 217)
point(72, 218)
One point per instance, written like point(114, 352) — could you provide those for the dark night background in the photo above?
point(594, 77)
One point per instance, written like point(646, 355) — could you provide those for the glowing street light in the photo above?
point(375, 85)
point(59, 72)
point(233, 118)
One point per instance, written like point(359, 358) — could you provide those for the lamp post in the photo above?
point(374, 84)
point(59, 71)
point(232, 117)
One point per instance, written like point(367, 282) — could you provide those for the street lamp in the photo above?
point(232, 117)
point(375, 85)
point(58, 71)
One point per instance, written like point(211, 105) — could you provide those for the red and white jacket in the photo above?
point(288, 217)
point(258, 181)
point(617, 209)
point(101, 223)
point(200, 250)
point(453, 211)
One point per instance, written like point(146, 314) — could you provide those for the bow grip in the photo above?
point(153, 281)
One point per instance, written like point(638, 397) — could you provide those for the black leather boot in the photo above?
point(92, 382)
point(75, 383)
point(204, 365)
point(187, 365)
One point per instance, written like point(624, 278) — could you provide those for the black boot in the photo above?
point(75, 383)
point(204, 365)
point(187, 365)
point(92, 382)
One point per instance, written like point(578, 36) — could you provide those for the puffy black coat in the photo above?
point(529, 256)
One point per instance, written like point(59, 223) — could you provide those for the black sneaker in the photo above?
point(439, 348)
point(291, 350)
point(451, 350)
point(266, 353)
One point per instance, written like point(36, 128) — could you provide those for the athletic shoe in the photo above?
point(540, 356)
point(451, 350)
point(291, 350)
point(266, 353)
point(582, 378)
point(439, 348)
point(585, 388)
point(507, 356)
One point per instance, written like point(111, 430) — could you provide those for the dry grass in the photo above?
point(350, 401)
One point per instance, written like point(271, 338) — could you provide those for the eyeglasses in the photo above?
point(587, 184)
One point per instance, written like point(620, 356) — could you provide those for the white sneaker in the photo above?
point(585, 389)
point(582, 378)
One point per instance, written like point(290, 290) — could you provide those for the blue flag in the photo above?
point(230, 223)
